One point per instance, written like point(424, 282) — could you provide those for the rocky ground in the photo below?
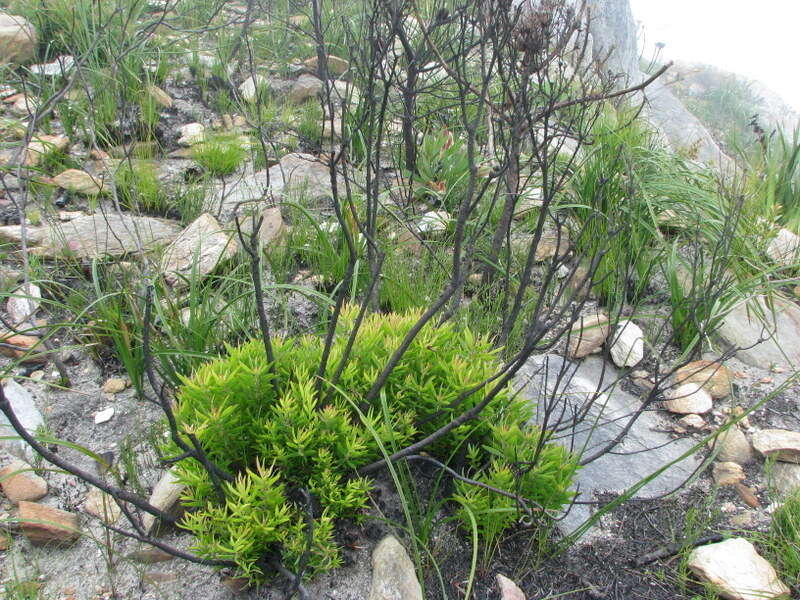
point(57, 547)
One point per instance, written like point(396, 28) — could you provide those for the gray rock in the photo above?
point(508, 589)
point(554, 385)
point(307, 87)
point(18, 40)
point(197, 251)
point(97, 236)
point(24, 406)
point(775, 340)
point(393, 576)
point(737, 571)
point(23, 303)
point(734, 447)
point(785, 478)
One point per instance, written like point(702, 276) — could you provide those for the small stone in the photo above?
point(159, 96)
point(79, 182)
point(25, 106)
point(45, 525)
point(737, 571)
point(393, 575)
point(250, 86)
point(18, 40)
point(627, 345)
point(307, 87)
point(747, 495)
point(508, 589)
point(336, 66)
point(19, 483)
point(24, 407)
point(165, 496)
point(42, 146)
point(23, 303)
point(191, 134)
point(783, 444)
point(272, 226)
point(689, 398)
point(104, 416)
point(115, 385)
point(102, 505)
point(693, 422)
point(587, 335)
point(22, 347)
point(149, 556)
point(713, 376)
point(734, 447)
point(728, 473)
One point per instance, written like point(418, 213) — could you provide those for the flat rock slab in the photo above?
point(775, 340)
point(96, 236)
point(555, 384)
point(736, 571)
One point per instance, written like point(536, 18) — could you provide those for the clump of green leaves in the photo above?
point(220, 155)
point(442, 168)
point(280, 430)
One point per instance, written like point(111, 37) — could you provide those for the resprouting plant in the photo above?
point(286, 434)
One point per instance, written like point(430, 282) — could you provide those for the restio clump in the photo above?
point(282, 430)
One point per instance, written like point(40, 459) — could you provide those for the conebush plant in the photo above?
point(279, 429)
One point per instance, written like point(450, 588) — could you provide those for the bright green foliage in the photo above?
point(520, 463)
point(442, 168)
point(221, 155)
point(248, 413)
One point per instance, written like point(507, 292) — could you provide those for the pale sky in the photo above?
point(756, 39)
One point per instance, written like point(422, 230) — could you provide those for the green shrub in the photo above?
point(280, 429)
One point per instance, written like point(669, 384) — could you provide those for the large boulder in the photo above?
point(18, 40)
